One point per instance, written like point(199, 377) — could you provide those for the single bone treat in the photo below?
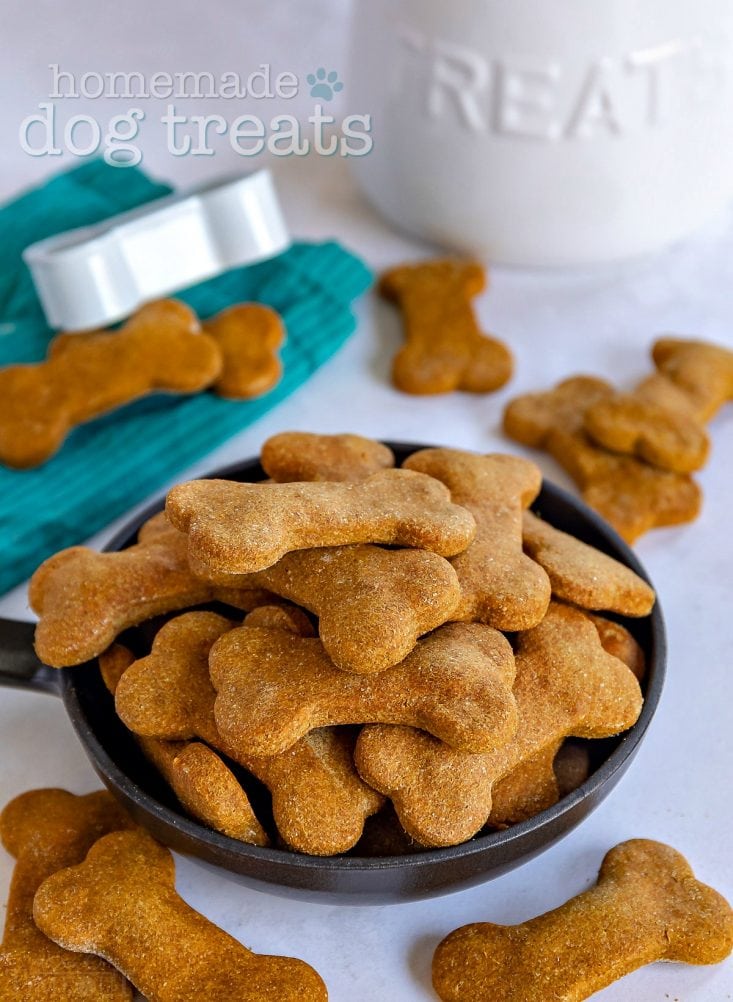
point(647, 906)
point(372, 603)
point(121, 903)
point(205, 786)
point(248, 336)
point(566, 684)
point(300, 455)
point(47, 830)
point(633, 496)
point(618, 641)
point(239, 528)
point(703, 371)
point(85, 375)
point(582, 575)
point(319, 802)
point(86, 599)
point(499, 584)
point(656, 422)
point(273, 688)
point(445, 349)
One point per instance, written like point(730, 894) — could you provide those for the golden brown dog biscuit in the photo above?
point(646, 906)
point(633, 496)
point(529, 788)
point(583, 575)
point(248, 336)
point(566, 684)
point(161, 347)
point(239, 528)
point(618, 641)
point(205, 786)
point(121, 903)
point(372, 603)
point(273, 688)
point(86, 599)
point(319, 802)
point(445, 349)
point(47, 830)
point(656, 422)
point(295, 456)
point(499, 584)
point(571, 766)
point(703, 371)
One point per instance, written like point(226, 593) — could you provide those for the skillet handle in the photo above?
point(19, 666)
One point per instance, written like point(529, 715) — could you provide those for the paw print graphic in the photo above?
point(324, 85)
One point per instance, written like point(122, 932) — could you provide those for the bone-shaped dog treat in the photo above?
point(583, 575)
point(646, 906)
point(633, 496)
point(86, 599)
point(499, 584)
point(445, 349)
point(566, 684)
point(273, 688)
point(299, 455)
point(703, 371)
point(618, 641)
point(372, 603)
point(85, 375)
point(319, 802)
point(205, 786)
point(529, 788)
point(656, 422)
point(47, 830)
point(239, 528)
point(248, 336)
point(121, 903)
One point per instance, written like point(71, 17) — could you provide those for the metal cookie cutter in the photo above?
point(96, 275)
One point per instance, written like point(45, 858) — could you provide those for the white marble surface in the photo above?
point(598, 321)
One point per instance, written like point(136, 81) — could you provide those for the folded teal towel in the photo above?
point(110, 464)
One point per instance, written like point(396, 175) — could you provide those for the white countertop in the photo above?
point(599, 321)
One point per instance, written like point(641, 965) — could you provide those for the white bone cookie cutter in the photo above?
point(96, 275)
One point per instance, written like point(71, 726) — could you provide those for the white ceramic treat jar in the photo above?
point(546, 132)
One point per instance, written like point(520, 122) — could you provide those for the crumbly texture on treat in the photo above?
point(500, 585)
point(47, 830)
point(248, 335)
point(581, 574)
point(621, 643)
point(295, 456)
point(319, 801)
point(203, 783)
point(647, 906)
point(372, 603)
point(238, 528)
point(445, 348)
point(444, 796)
point(632, 495)
point(701, 370)
point(86, 599)
point(656, 422)
point(456, 683)
point(85, 375)
point(121, 903)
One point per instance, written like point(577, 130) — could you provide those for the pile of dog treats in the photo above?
point(162, 347)
point(411, 645)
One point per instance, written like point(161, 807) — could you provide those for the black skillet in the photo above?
point(348, 879)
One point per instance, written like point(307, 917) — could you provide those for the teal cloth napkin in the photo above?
point(112, 463)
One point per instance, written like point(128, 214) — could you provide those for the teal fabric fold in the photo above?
point(112, 463)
